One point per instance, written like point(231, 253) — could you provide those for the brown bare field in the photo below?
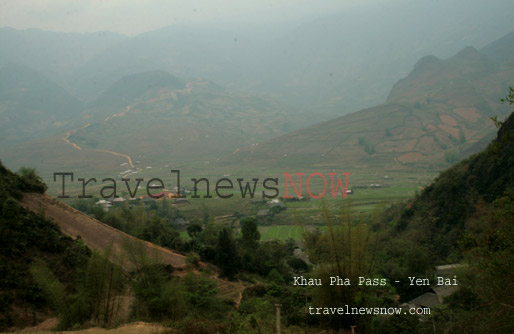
point(427, 145)
point(450, 130)
point(448, 120)
point(469, 114)
point(411, 157)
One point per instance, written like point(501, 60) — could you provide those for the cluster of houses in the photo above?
point(371, 186)
point(178, 198)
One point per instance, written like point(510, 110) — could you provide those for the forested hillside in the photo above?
point(464, 216)
point(24, 237)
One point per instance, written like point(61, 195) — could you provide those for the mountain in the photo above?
point(501, 50)
point(32, 106)
point(130, 88)
point(335, 63)
point(155, 117)
point(435, 115)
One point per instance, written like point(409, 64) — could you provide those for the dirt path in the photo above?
point(129, 159)
point(76, 146)
point(68, 134)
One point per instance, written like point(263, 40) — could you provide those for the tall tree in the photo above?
point(250, 233)
point(226, 255)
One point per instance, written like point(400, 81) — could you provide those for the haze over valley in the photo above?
point(227, 166)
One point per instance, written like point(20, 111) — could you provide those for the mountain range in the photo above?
point(437, 114)
point(434, 116)
point(335, 63)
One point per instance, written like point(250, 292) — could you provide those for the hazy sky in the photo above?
point(132, 17)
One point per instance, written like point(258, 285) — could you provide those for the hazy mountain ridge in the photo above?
point(31, 106)
point(156, 116)
point(128, 89)
point(336, 63)
point(441, 105)
point(54, 54)
point(437, 114)
point(501, 50)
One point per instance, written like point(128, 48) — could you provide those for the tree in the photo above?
point(226, 255)
point(250, 233)
point(30, 181)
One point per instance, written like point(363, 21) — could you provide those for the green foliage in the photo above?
point(158, 231)
point(368, 147)
point(103, 287)
point(25, 236)
point(250, 233)
point(226, 255)
point(158, 296)
point(429, 228)
point(347, 251)
point(70, 313)
point(509, 98)
point(150, 224)
point(30, 181)
point(98, 294)
point(485, 302)
point(451, 157)
point(26, 180)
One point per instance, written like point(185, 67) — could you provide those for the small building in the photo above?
point(262, 213)
point(119, 201)
point(296, 198)
point(181, 201)
point(276, 203)
point(437, 293)
point(104, 204)
point(447, 270)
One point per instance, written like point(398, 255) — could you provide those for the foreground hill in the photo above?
point(440, 215)
point(95, 234)
point(46, 262)
point(436, 115)
point(24, 237)
point(464, 216)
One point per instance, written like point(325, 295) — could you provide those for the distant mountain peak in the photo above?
point(470, 53)
point(427, 63)
point(501, 50)
point(131, 87)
